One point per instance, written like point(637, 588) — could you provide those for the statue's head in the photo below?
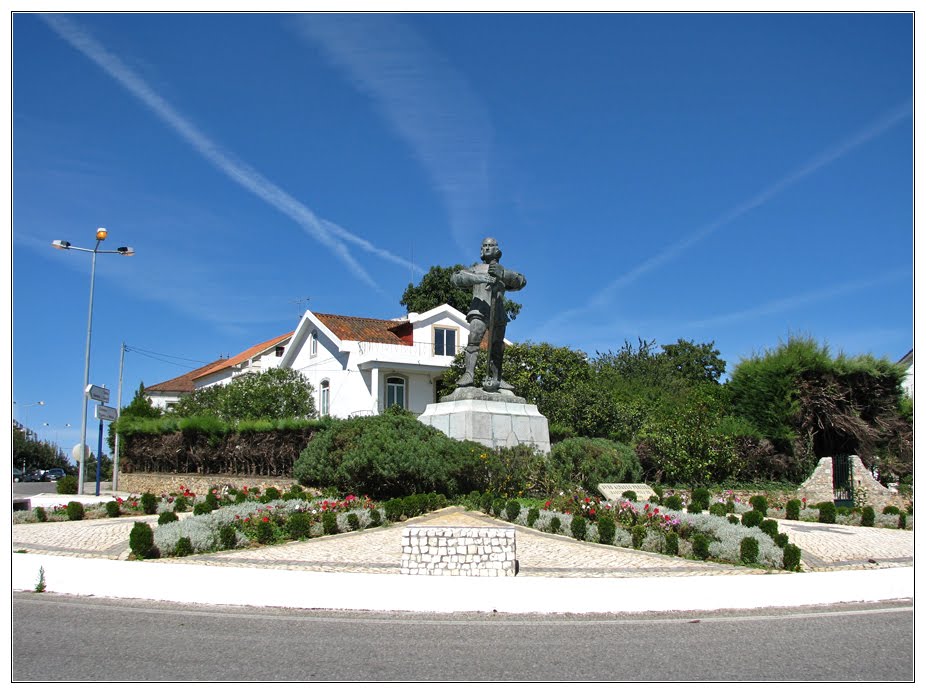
point(490, 250)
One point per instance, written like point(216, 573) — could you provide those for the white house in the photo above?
point(361, 366)
point(907, 362)
point(260, 357)
point(166, 394)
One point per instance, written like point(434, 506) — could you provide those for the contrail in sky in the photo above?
point(887, 121)
point(321, 230)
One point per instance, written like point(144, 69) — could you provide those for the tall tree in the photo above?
point(272, 394)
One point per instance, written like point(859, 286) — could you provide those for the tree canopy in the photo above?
point(273, 394)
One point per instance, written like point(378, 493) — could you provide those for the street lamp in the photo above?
point(23, 406)
point(122, 250)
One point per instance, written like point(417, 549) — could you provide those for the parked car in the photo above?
point(18, 474)
point(34, 476)
point(56, 473)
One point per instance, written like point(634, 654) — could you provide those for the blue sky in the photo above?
point(735, 178)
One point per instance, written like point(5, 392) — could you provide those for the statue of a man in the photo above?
point(487, 314)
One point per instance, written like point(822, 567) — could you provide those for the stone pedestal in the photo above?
point(496, 420)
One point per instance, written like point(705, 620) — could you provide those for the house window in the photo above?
point(324, 398)
point(395, 391)
point(445, 342)
point(313, 344)
point(279, 351)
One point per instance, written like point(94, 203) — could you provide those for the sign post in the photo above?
point(108, 414)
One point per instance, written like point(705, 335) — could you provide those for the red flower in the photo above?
point(265, 519)
point(656, 511)
point(591, 512)
point(587, 500)
point(546, 505)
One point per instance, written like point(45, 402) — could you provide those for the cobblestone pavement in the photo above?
point(378, 550)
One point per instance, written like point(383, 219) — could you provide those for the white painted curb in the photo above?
point(211, 585)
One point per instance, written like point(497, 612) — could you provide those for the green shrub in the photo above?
point(112, 509)
point(718, 509)
point(66, 485)
point(587, 462)
point(512, 510)
point(701, 496)
point(329, 523)
point(674, 502)
point(606, 529)
point(902, 520)
point(75, 511)
point(555, 524)
point(695, 507)
point(637, 535)
point(868, 517)
point(212, 501)
point(827, 512)
point(149, 503)
point(180, 504)
point(167, 517)
point(393, 509)
point(532, 515)
point(41, 514)
point(629, 494)
point(297, 490)
point(376, 518)
point(671, 545)
point(485, 502)
point(265, 533)
point(792, 558)
point(733, 520)
point(498, 505)
point(657, 490)
point(228, 536)
point(759, 503)
point(793, 509)
point(769, 526)
point(700, 546)
point(353, 521)
point(201, 509)
point(271, 494)
point(298, 525)
point(752, 519)
point(729, 506)
point(749, 550)
point(579, 527)
point(781, 540)
point(891, 511)
point(184, 547)
point(141, 541)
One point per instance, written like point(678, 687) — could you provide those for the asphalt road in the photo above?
point(58, 637)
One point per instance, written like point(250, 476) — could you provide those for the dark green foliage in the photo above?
point(657, 490)
point(891, 511)
point(718, 509)
point(752, 519)
point(733, 520)
point(353, 521)
point(329, 523)
point(265, 532)
point(770, 527)
point(141, 541)
point(579, 527)
point(868, 517)
point(694, 507)
point(75, 511)
point(792, 558)
point(41, 514)
point(270, 494)
point(606, 529)
point(749, 550)
point(180, 504)
point(201, 509)
point(532, 515)
point(902, 520)
point(629, 494)
point(701, 496)
point(149, 503)
point(486, 501)
point(393, 509)
point(498, 505)
point(167, 517)
point(637, 535)
point(700, 546)
point(555, 524)
point(781, 539)
point(376, 518)
point(112, 509)
point(729, 506)
point(212, 501)
point(585, 463)
point(184, 547)
point(512, 510)
point(298, 525)
point(674, 502)
point(827, 512)
point(66, 485)
point(759, 503)
point(274, 394)
point(671, 545)
point(793, 509)
point(228, 536)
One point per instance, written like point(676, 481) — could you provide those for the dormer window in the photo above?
point(445, 342)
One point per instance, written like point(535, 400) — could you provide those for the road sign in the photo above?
point(98, 393)
point(106, 413)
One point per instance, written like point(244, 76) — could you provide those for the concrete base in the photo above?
point(494, 424)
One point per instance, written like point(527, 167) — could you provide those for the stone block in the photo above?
point(496, 424)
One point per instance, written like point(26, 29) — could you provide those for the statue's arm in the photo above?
point(514, 280)
point(466, 278)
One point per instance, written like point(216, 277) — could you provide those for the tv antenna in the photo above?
point(302, 303)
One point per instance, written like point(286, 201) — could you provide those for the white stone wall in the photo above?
point(442, 551)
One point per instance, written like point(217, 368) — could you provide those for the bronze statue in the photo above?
point(487, 315)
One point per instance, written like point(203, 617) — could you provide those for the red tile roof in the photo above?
point(246, 354)
point(390, 332)
point(184, 383)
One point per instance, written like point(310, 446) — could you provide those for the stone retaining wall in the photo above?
point(437, 551)
point(141, 482)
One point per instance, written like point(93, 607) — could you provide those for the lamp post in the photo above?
point(22, 407)
point(122, 250)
